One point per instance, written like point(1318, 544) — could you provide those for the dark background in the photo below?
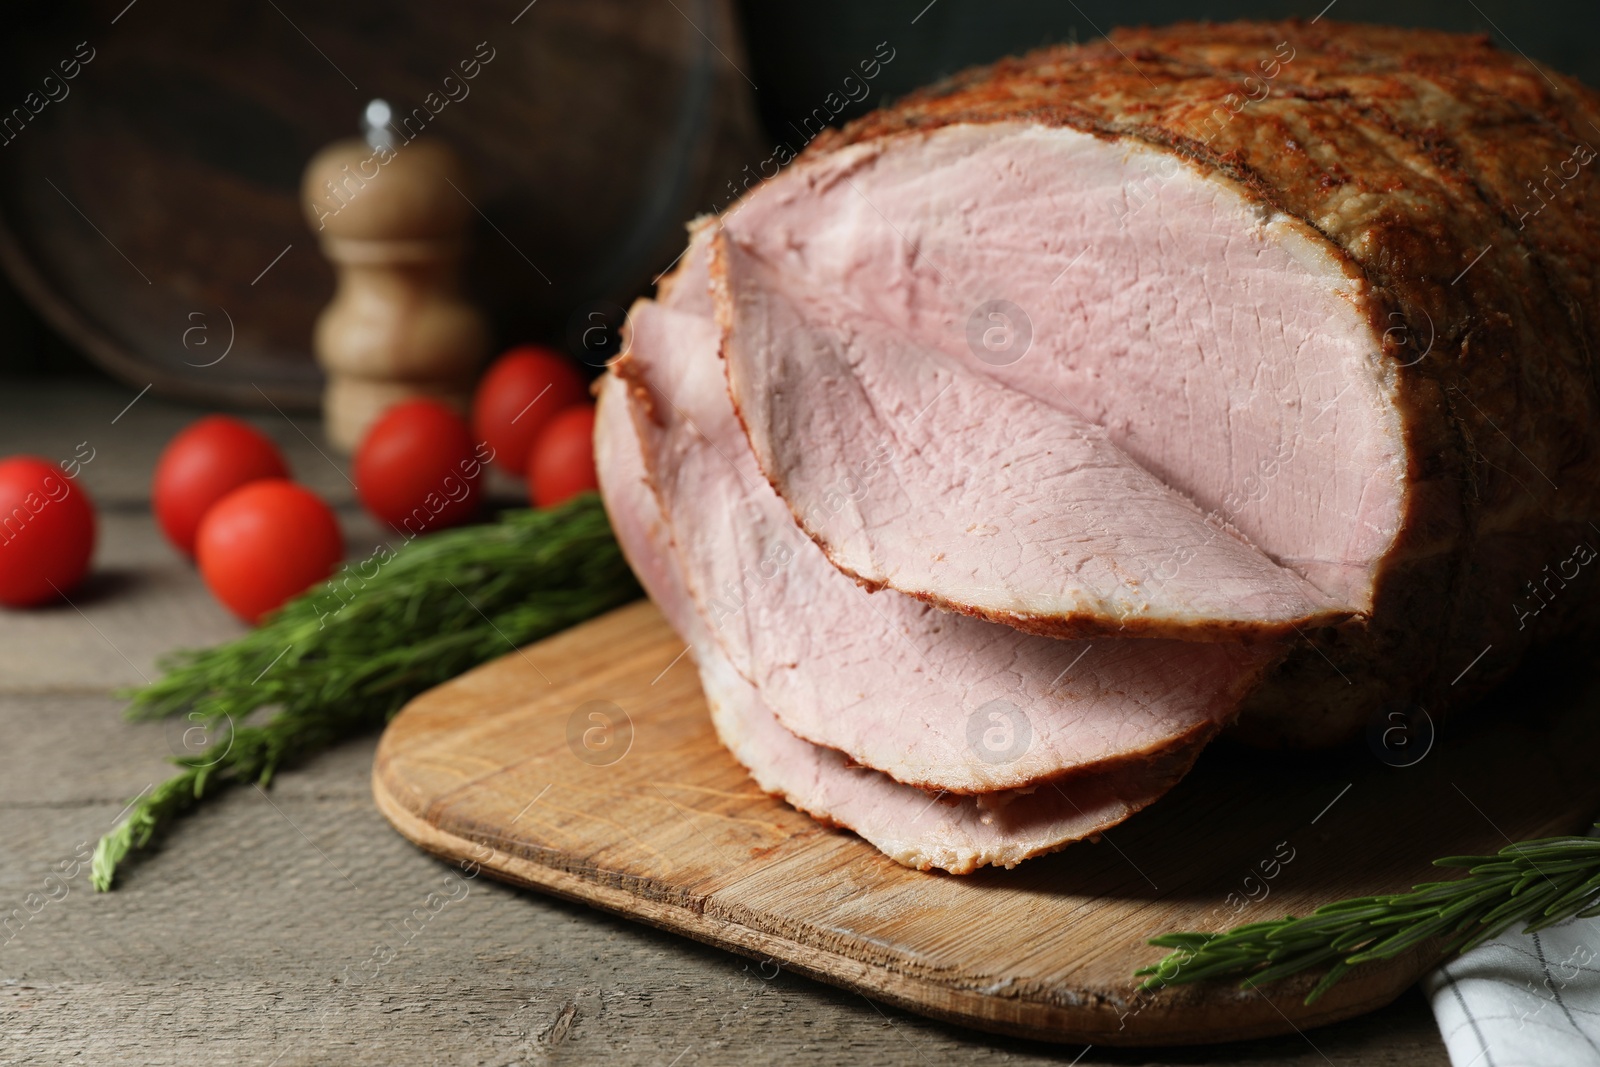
point(799, 52)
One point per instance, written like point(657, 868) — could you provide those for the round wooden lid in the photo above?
point(157, 204)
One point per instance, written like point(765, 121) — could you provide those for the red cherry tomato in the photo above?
point(521, 393)
point(561, 464)
point(46, 532)
point(417, 469)
point(203, 464)
point(264, 543)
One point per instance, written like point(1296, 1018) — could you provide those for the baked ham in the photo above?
point(1334, 286)
point(1253, 362)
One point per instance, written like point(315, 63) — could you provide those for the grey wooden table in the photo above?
point(236, 941)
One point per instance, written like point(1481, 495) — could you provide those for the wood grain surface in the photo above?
point(586, 766)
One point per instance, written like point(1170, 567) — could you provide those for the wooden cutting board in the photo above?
point(586, 766)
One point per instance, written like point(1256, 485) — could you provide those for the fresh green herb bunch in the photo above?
point(1539, 883)
point(344, 657)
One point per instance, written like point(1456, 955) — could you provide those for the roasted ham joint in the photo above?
point(1014, 442)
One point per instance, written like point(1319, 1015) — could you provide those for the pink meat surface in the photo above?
point(1156, 414)
point(954, 833)
point(988, 501)
point(935, 700)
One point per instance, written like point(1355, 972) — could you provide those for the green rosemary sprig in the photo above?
point(1539, 883)
point(344, 657)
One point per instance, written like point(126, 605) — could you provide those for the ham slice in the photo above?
point(934, 700)
point(982, 498)
point(1220, 350)
point(954, 833)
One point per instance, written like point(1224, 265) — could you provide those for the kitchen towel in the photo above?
point(1523, 1000)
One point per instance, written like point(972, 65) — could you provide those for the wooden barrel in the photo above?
point(150, 159)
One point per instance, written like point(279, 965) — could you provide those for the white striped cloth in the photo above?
point(1523, 1000)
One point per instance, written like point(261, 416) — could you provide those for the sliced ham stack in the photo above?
point(1015, 441)
point(947, 830)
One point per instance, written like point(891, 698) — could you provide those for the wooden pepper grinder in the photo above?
point(392, 218)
